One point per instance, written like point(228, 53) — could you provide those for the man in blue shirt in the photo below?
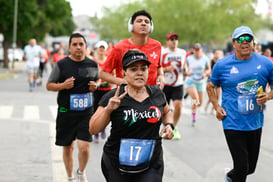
point(240, 75)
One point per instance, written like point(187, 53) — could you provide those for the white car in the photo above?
point(16, 54)
point(1, 54)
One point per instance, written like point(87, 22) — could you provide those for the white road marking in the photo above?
point(31, 112)
point(59, 173)
point(53, 110)
point(6, 112)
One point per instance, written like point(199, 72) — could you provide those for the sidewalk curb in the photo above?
point(6, 75)
point(9, 73)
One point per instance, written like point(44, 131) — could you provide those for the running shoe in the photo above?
point(31, 87)
point(176, 134)
point(193, 123)
point(81, 177)
point(96, 138)
point(34, 84)
point(227, 179)
point(103, 134)
point(39, 83)
point(71, 179)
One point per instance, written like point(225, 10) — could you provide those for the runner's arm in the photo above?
point(110, 78)
point(167, 114)
point(53, 83)
point(99, 120)
point(167, 130)
point(102, 116)
point(160, 77)
point(220, 112)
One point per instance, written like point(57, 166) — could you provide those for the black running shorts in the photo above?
point(71, 126)
point(174, 93)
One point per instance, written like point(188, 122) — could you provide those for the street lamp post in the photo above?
point(14, 31)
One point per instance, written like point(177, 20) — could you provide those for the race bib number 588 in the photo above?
point(80, 102)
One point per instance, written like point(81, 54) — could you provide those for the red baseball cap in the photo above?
point(171, 35)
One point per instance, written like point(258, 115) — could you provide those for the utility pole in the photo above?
point(14, 31)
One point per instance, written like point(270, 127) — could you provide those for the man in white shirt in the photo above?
point(173, 59)
point(32, 54)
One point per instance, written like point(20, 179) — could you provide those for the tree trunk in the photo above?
point(6, 59)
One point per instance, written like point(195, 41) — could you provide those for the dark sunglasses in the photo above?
point(241, 39)
point(173, 38)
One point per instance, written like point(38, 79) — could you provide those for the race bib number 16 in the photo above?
point(248, 105)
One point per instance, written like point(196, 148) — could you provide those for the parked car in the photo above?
point(1, 54)
point(16, 54)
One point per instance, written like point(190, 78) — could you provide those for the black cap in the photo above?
point(132, 56)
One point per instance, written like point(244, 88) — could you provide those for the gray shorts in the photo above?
point(32, 69)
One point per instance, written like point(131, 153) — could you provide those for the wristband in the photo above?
point(171, 124)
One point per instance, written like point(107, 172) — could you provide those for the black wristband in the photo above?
point(171, 124)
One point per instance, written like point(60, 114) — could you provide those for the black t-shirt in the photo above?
point(83, 72)
point(212, 63)
point(137, 120)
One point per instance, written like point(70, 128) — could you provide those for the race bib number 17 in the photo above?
point(134, 152)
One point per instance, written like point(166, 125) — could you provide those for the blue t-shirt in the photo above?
point(239, 81)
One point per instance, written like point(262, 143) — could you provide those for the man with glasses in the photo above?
point(173, 59)
point(240, 76)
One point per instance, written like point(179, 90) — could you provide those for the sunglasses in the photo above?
point(241, 39)
point(173, 38)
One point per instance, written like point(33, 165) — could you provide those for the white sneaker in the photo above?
point(71, 179)
point(81, 177)
point(227, 179)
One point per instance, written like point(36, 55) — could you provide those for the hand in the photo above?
point(160, 81)
point(261, 98)
point(114, 102)
point(92, 86)
point(122, 81)
point(204, 75)
point(69, 83)
point(169, 68)
point(167, 132)
point(220, 113)
point(187, 74)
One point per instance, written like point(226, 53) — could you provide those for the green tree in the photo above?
point(205, 21)
point(36, 18)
